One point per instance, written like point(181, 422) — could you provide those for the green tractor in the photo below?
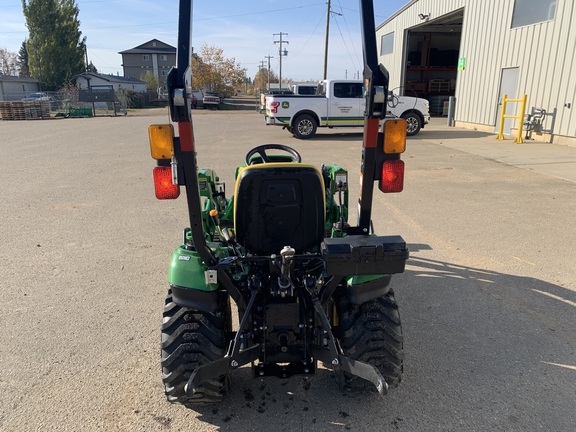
point(309, 287)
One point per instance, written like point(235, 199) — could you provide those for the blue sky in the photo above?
point(244, 30)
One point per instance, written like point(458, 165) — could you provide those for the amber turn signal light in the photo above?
point(394, 136)
point(161, 141)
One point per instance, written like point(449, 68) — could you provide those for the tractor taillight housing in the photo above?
point(274, 107)
point(163, 186)
point(392, 179)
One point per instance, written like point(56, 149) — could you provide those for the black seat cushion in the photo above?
point(277, 205)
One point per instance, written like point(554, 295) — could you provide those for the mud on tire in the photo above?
point(191, 339)
point(372, 333)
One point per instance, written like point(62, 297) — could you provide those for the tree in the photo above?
point(24, 70)
point(151, 80)
point(55, 45)
point(91, 67)
point(8, 64)
point(261, 79)
point(210, 70)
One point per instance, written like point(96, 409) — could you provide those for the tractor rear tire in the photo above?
point(372, 333)
point(190, 339)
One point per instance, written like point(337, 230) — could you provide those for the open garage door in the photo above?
point(432, 52)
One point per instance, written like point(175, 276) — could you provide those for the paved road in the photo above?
point(488, 300)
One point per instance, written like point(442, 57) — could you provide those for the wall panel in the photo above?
point(544, 52)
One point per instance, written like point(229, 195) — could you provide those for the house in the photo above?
point(15, 88)
point(476, 54)
point(87, 80)
point(155, 56)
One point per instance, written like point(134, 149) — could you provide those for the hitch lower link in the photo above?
point(331, 355)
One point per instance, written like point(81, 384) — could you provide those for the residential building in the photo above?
point(15, 88)
point(86, 80)
point(155, 56)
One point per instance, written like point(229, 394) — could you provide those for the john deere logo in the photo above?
point(285, 104)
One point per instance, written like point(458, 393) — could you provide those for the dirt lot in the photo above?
point(487, 301)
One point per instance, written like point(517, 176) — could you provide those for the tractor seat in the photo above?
point(279, 204)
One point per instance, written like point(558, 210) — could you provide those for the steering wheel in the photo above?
point(262, 152)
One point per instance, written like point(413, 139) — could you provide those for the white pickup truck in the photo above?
point(338, 103)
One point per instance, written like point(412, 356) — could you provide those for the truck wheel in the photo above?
point(192, 338)
point(304, 127)
point(372, 333)
point(412, 123)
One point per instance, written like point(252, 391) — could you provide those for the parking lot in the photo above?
point(487, 302)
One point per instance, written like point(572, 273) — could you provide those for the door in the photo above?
point(346, 106)
point(508, 86)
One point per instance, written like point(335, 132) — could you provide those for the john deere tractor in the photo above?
point(309, 287)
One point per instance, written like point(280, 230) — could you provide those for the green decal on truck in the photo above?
point(285, 104)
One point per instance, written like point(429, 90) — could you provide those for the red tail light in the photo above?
point(392, 176)
point(274, 107)
point(163, 186)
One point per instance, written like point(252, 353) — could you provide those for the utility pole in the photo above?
point(245, 82)
point(281, 53)
point(261, 69)
point(326, 43)
point(86, 57)
point(268, 57)
point(328, 12)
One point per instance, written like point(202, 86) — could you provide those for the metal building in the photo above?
point(479, 50)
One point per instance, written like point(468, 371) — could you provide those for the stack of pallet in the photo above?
point(5, 111)
point(24, 110)
point(438, 86)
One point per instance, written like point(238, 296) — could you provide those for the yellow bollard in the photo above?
point(519, 117)
point(502, 115)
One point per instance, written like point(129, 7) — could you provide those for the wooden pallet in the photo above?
point(5, 111)
point(24, 110)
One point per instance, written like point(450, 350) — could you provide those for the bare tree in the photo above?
point(8, 62)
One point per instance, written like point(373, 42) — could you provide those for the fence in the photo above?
point(65, 103)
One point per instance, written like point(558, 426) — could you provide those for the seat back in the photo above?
point(277, 205)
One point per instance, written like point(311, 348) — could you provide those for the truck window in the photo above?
point(359, 90)
point(348, 90)
point(307, 90)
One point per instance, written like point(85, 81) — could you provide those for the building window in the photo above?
point(528, 12)
point(145, 57)
point(387, 44)
point(164, 57)
point(164, 72)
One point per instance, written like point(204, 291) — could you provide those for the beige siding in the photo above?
point(543, 52)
